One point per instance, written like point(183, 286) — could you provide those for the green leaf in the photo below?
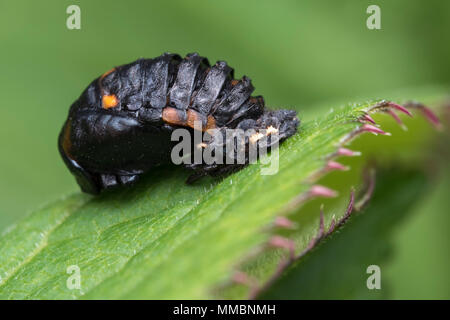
point(415, 148)
point(163, 238)
point(337, 268)
point(418, 270)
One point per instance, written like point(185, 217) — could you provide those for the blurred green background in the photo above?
point(298, 53)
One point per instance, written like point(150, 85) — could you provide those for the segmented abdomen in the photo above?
point(149, 85)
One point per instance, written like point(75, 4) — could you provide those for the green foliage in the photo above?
point(416, 151)
point(163, 236)
point(337, 268)
point(165, 239)
point(299, 54)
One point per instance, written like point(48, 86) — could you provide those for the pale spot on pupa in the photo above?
point(270, 130)
point(201, 145)
point(255, 137)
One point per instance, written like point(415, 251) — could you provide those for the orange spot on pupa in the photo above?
point(66, 142)
point(192, 117)
point(109, 101)
point(176, 117)
point(106, 73)
point(172, 116)
point(211, 123)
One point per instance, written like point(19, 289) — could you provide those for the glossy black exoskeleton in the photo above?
point(120, 127)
